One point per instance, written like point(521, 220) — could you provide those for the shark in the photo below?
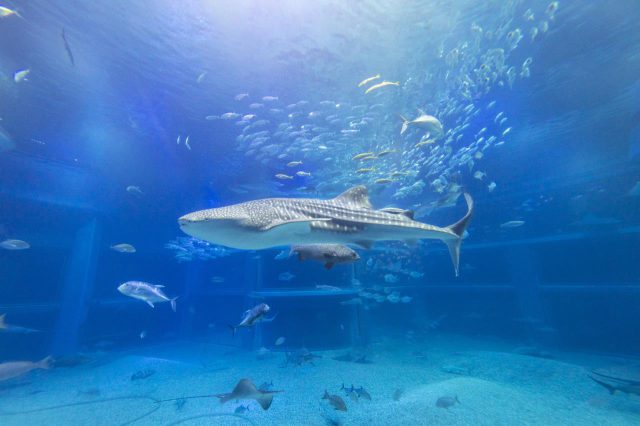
point(347, 219)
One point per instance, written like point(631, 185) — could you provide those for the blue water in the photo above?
point(93, 153)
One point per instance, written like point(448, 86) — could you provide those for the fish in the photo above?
point(11, 369)
point(279, 341)
point(512, 224)
point(282, 176)
point(335, 400)
point(142, 374)
point(21, 75)
point(123, 248)
point(241, 409)
point(303, 174)
point(368, 80)
point(186, 143)
point(383, 181)
point(423, 121)
point(5, 12)
point(241, 96)
point(365, 170)
point(621, 378)
point(447, 401)
point(253, 316)
point(348, 218)
point(329, 254)
point(386, 152)
point(230, 116)
point(135, 190)
point(67, 48)
point(146, 292)
point(201, 77)
point(294, 163)
point(286, 276)
point(390, 278)
point(10, 328)
point(245, 389)
point(357, 392)
point(362, 155)
point(269, 98)
point(380, 85)
point(491, 186)
point(14, 245)
point(397, 394)
point(479, 175)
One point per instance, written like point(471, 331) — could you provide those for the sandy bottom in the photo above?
point(494, 386)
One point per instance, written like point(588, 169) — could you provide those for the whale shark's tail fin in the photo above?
point(458, 228)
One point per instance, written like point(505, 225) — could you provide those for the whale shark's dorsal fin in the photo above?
point(357, 196)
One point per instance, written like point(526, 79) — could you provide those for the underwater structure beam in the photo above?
point(77, 287)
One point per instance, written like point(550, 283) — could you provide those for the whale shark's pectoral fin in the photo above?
point(296, 226)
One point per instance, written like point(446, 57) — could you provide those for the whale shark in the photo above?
point(348, 218)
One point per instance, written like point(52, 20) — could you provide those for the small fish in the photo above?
point(390, 278)
point(447, 401)
point(386, 152)
point(146, 292)
point(368, 80)
point(21, 75)
point(384, 181)
point(135, 190)
point(253, 316)
point(506, 131)
point(269, 98)
point(365, 170)
point(303, 174)
point(336, 401)
point(5, 12)
point(245, 389)
point(186, 143)
point(294, 163)
point(479, 175)
point(14, 245)
point(279, 341)
point(143, 334)
point(230, 116)
point(201, 77)
point(241, 96)
point(406, 299)
point(209, 118)
point(286, 276)
point(10, 328)
point(9, 370)
point(425, 142)
point(362, 155)
point(491, 186)
point(241, 409)
point(282, 176)
point(380, 85)
point(123, 248)
point(512, 224)
point(142, 374)
point(398, 394)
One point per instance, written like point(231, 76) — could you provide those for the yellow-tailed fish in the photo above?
point(380, 85)
point(368, 80)
point(366, 170)
point(362, 155)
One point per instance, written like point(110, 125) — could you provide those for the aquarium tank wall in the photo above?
point(319, 213)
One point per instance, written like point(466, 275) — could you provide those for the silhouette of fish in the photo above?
point(335, 401)
point(245, 389)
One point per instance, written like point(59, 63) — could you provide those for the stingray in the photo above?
point(245, 389)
